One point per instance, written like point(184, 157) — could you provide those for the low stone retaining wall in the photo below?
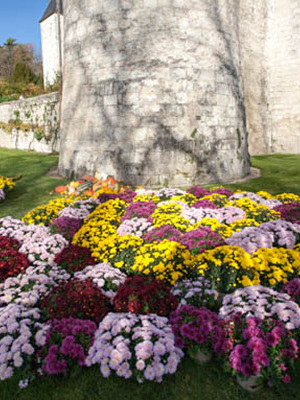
point(31, 124)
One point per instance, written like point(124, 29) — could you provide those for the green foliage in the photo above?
point(23, 73)
point(279, 173)
point(33, 190)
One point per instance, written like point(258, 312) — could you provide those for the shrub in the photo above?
point(198, 329)
point(145, 295)
point(201, 239)
point(64, 344)
point(65, 226)
point(139, 346)
point(12, 263)
point(263, 348)
point(74, 258)
point(76, 299)
point(227, 267)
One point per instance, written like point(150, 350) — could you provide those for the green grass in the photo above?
point(34, 187)
point(190, 382)
point(280, 173)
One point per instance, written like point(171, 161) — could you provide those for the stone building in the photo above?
point(52, 35)
point(173, 91)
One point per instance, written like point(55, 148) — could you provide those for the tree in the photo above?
point(13, 53)
point(10, 43)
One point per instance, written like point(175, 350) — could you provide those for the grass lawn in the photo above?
point(34, 187)
point(280, 173)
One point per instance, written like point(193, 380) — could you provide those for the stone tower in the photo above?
point(52, 37)
point(153, 92)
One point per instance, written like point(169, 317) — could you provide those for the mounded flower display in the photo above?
point(134, 280)
point(6, 185)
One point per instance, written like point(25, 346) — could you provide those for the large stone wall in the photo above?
point(283, 65)
point(153, 91)
point(31, 124)
point(253, 34)
point(269, 37)
point(52, 37)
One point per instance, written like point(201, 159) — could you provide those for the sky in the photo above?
point(19, 19)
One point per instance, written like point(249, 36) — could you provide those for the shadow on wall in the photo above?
point(119, 150)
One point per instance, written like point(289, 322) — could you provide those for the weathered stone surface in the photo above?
point(283, 64)
point(153, 91)
point(39, 115)
point(52, 50)
point(270, 55)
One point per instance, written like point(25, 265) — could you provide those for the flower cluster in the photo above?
point(218, 199)
point(76, 299)
point(65, 226)
point(197, 292)
point(198, 329)
point(100, 224)
point(198, 191)
point(204, 204)
point(18, 327)
point(149, 196)
point(224, 230)
point(103, 275)
point(145, 295)
point(169, 213)
point(263, 348)
point(187, 198)
point(120, 251)
point(12, 262)
point(64, 344)
point(140, 209)
point(74, 258)
point(43, 215)
point(290, 212)
point(227, 267)
point(270, 234)
point(262, 302)
point(201, 239)
point(162, 233)
point(168, 261)
point(141, 346)
point(80, 209)
point(128, 248)
point(292, 288)
point(276, 266)
point(28, 288)
point(167, 193)
point(6, 184)
point(134, 227)
point(288, 198)
point(253, 210)
point(222, 190)
point(229, 214)
point(285, 234)
point(251, 239)
point(36, 240)
point(7, 243)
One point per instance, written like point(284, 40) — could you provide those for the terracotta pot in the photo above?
point(201, 358)
point(250, 383)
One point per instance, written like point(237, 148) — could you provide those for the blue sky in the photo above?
point(19, 19)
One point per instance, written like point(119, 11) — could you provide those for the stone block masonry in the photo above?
point(31, 124)
point(153, 91)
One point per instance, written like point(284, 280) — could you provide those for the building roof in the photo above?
point(52, 9)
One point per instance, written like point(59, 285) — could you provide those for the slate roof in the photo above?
point(51, 9)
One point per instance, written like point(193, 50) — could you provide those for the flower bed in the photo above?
point(131, 280)
point(6, 184)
